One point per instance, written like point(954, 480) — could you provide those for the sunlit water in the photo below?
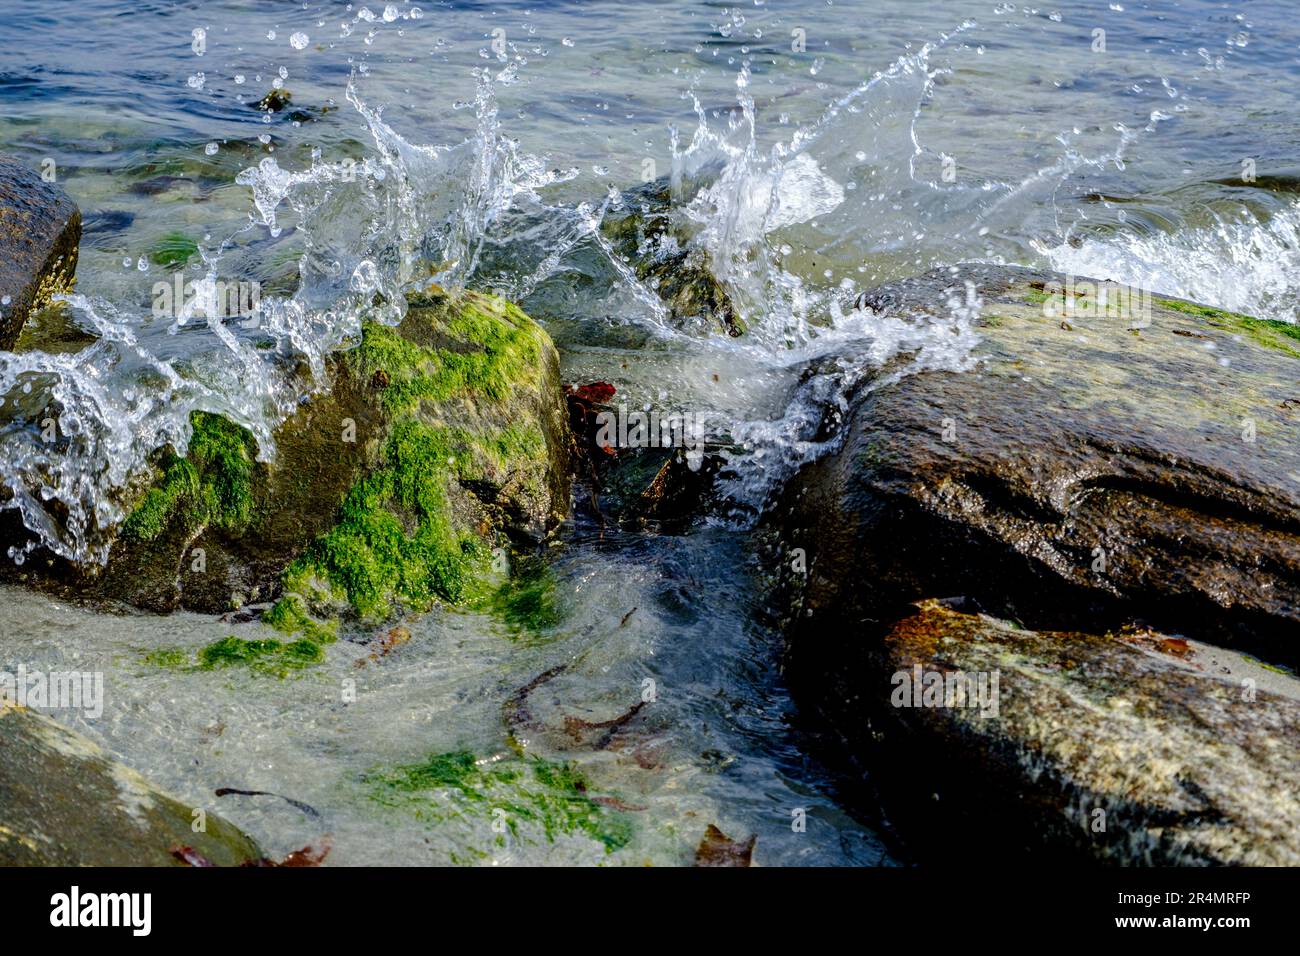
point(481, 145)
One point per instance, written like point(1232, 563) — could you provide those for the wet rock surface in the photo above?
point(644, 232)
point(65, 802)
point(40, 228)
point(1090, 472)
point(1131, 747)
point(1082, 467)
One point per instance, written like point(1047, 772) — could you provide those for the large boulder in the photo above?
point(440, 440)
point(1130, 747)
point(65, 802)
point(40, 230)
point(1088, 471)
point(1085, 469)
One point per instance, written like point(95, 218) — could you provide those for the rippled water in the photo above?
point(481, 144)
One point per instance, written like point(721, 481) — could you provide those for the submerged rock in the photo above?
point(440, 440)
point(65, 802)
point(1133, 748)
point(663, 486)
point(644, 232)
point(40, 229)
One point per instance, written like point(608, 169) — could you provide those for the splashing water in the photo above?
point(1243, 264)
point(793, 231)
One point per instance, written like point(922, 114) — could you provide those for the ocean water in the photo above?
point(815, 149)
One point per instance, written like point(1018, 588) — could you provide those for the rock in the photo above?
point(440, 439)
point(644, 231)
point(65, 802)
point(1092, 470)
point(273, 101)
point(1087, 474)
point(40, 228)
point(1131, 748)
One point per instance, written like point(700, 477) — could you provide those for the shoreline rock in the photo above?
point(1094, 472)
point(643, 230)
point(1129, 748)
point(440, 439)
point(1089, 474)
point(65, 802)
point(40, 231)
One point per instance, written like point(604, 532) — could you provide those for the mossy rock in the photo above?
point(65, 802)
point(441, 439)
point(1130, 748)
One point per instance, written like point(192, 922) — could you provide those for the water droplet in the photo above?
point(211, 149)
point(299, 41)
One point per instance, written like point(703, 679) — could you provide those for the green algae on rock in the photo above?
point(172, 250)
point(531, 798)
point(526, 602)
point(1126, 748)
point(1270, 333)
point(212, 485)
point(440, 440)
point(261, 655)
point(475, 447)
point(65, 802)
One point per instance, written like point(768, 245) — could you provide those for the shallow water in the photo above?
point(903, 136)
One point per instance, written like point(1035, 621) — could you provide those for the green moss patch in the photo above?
point(395, 543)
point(472, 345)
point(169, 657)
point(290, 617)
point(264, 656)
point(534, 798)
point(1271, 334)
point(399, 542)
point(212, 485)
point(527, 603)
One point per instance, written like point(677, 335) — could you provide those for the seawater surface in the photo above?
point(815, 149)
